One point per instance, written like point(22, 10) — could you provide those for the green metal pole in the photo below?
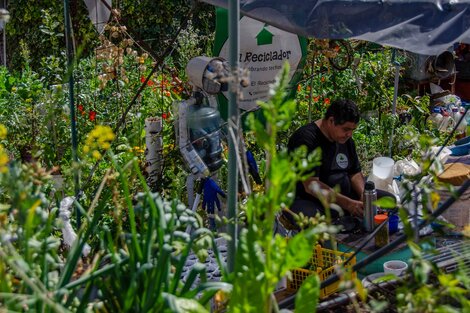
point(395, 97)
point(232, 179)
point(73, 126)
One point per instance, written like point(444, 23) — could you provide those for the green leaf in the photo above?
point(361, 291)
point(446, 309)
point(177, 305)
point(307, 297)
point(386, 203)
point(189, 306)
point(299, 251)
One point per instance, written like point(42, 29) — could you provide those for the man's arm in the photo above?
point(352, 206)
point(357, 184)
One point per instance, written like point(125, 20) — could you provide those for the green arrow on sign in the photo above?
point(264, 37)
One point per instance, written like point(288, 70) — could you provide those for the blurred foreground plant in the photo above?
point(136, 268)
point(263, 257)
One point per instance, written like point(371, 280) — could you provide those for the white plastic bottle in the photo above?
point(436, 117)
point(447, 122)
point(455, 113)
point(462, 128)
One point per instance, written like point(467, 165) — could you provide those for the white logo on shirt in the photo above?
point(342, 160)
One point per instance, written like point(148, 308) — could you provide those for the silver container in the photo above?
point(370, 209)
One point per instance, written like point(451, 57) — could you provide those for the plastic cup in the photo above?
point(382, 167)
point(396, 267)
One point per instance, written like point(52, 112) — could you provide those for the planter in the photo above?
point(58, 181)
point(367, 115)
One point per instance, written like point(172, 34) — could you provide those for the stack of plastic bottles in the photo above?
point(448, 114)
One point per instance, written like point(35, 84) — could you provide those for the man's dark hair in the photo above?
point(343, 110)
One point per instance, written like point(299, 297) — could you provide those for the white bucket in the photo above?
point(382, 167)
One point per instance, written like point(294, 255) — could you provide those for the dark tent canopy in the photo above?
point(421, 26)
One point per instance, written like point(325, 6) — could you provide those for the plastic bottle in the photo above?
point(436, 117)
point(204, 131)
point(382, 236)
point(447, 122)
point(370, 209)
point(455, 114)
point(462, 128)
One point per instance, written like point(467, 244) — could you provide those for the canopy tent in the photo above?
point(421, 26)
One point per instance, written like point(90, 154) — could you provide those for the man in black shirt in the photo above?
point(339, 163)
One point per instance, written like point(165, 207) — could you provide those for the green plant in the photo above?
point(21, 111)
point(429, 289)
point(262, 258)
point(29, 258)
point(148, 254)
point(152, 256)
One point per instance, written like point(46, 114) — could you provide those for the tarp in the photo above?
point(99, 12)
point(420, 26)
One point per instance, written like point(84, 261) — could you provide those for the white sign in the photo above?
point(263, 51)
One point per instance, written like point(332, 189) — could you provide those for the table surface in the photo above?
point(356, 240)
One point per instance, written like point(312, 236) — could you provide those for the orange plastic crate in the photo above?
point(323, 263)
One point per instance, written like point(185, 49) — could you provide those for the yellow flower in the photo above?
point(3, 160)
point(435, 198)
point(96, 154)
point(3, 131)
point(99, 138)
point(466, 231)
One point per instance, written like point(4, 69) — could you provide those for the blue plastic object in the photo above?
point(211, 200)
point(253, 167)
point(460, 150)
point(462, 141)
point(393, 224)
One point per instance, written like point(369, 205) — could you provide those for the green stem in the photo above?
point(33, 282)
point(104, 270)
point(83, 233)
point(130, 207)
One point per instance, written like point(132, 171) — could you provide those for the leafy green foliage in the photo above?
point(431, 290)
point(262, 259)
point(149, 257)
point(39, 27)
point(308, 295)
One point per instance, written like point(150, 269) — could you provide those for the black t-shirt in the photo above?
point(338, 162)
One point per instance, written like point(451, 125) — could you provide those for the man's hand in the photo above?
point(355, 207)
point(316, 187)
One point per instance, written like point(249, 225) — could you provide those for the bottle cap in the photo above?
point(436, 110)
point(380, 218)
point(369, 185)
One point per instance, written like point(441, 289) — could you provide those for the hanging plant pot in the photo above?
point(58, 180)
point(367, 115)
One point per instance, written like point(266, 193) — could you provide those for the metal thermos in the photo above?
point(370, 209)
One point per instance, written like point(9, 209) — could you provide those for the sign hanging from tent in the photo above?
point(263, 51)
